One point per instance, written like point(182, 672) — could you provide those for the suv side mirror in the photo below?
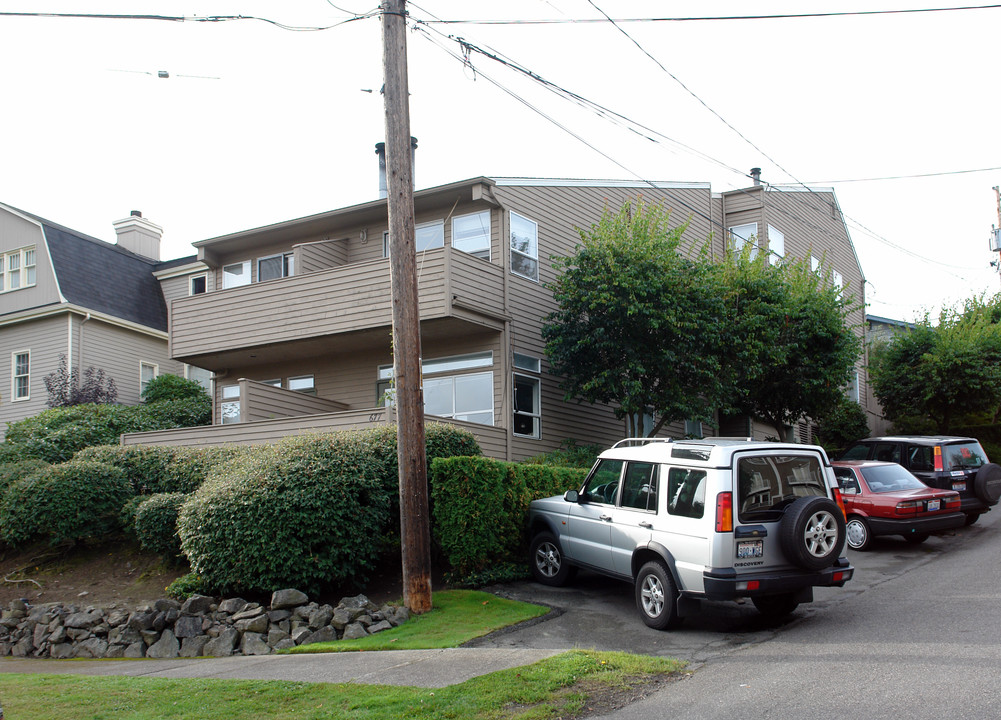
point(571, 496)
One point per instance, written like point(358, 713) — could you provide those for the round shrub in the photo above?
point(156, 524)
point(171, 387)
point(302, 513)
point(69, 502)
point(13, 471)
point(160, 469)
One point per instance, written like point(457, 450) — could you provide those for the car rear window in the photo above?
point(856, 452)
point(890, 478)
point(767, 484)
point(963, 456)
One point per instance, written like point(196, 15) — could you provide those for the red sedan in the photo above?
point(882, 498)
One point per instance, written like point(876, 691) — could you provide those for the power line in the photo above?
point(189, 18)
point(713, 18)
point(903, 177)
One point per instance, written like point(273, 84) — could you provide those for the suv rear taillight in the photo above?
point(841, 503)
point(938, 459)
point(724, 512)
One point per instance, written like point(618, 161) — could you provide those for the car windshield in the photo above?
point(890, 478)
point(963, 456)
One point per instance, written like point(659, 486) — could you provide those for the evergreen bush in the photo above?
point(12, 471)
point(156, 524)
point(70, 502)
point(161, 469)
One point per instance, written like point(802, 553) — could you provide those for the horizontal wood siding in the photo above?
point(351, 297)
point(322, 255)
point(491, 440)
point(119, 352)
point(46, 339)
point(264, 402)
point(176, 287)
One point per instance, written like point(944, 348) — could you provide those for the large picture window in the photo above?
point(471, 234)
point(524, 247)
point(467, 397)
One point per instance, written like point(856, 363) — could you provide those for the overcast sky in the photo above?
point(258, 124)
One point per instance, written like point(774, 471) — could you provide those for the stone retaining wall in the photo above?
point(200, 626)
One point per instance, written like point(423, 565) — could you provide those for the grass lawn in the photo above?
point(563, 686)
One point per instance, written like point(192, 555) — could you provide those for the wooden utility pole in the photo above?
point(414, 522)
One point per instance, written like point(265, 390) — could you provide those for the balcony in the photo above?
point(300, 315)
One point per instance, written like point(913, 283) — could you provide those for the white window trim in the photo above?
point(14, 376)
point(537, 415)
point(532, 257)
point(737, 242)
point(305, 391)
point(191, 283)
point(527, 363)
point(489, 231)
point(246, 270)
point(774, 234)
point(156, 373)
point(187, 376)
point(22, 270)
point(491, 409)
point(448, 363)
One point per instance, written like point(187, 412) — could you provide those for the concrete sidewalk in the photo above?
point(417, 668)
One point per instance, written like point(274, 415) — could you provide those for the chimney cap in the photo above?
point(136, 213)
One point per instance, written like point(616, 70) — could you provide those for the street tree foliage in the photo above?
point(66, 388)
point(643, 328)
point(637, 324)
point(791, 351)
point(942, 374)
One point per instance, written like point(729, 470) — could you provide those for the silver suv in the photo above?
point(713, 519)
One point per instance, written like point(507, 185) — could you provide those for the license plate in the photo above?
point(750, 549)
point(934, 505)
point(960, 486)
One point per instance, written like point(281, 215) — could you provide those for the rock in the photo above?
point(124, 635)
point(84, 620)
point(149, 636)
point(166, 605)
point(276, 635)
point(276, 616)
point(188, 626)
point(232, 605)
point(253, 644)
point(324, 634)
point(250, 612)
point(115, 651)
point(379, 627)
point(94, 648)
point(300, 634)
point(341, 618)
point(19, 604)
point(354, 630)
point(141, 620)
point(320, 617)
point(197, 605)
point(117, 617)
point(283, 645)
point(22, 648)
point(223, 645)
point(61, 651)
point(289, 598)
point(364, 620)
point(58, 635)
point(135, 650)
point(402, 615)
point(160, 621)
point(40, 635)
point(193, 646)
point(166, 647)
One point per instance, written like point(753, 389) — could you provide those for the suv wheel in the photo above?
point(857, 533)
point(775, 606)
point(987, 484)
point(549, 567)
point(812, 532)
point(656, 596)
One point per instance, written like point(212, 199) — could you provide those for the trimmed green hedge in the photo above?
point(55, 435)
point(71, 502)
point(161, 469)
point(12, 471)
point(307, 512)
point(156, 524)
point(480, 510)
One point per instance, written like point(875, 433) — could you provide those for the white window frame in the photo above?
point(311, 390)
point(430, 241)
point(287, 261)
point(143, 364)
point(741, 235)
point(449, 363)
point(462, 237)
point(855, 388)
point(244, 275)
point(191, 284)
point(533, 241)
point(776, 244)
point(465, 376)
point(14, 376)
point(536, 415)
point(26, 259)
point(230, 405)
point(814, 264)
point(527, 362)
point(188, 376)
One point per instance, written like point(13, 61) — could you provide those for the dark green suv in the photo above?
point(940, 461)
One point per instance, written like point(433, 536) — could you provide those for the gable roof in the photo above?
point(104, 277)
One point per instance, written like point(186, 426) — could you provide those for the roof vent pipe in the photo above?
point(380, 150)
point(756, 175)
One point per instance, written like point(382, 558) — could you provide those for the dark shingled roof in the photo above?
point(105, 278)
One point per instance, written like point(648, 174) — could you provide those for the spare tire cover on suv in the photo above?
point(987, 484)
point(812, 532)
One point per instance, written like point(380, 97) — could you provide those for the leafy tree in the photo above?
point(845, 423)
point(637, 324)
point(171, 387)
point(791, 352)
point(946, 373)
point(65, 388)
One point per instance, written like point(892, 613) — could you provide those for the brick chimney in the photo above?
point(138, 235)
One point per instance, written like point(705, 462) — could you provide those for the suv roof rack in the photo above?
point(639, 441)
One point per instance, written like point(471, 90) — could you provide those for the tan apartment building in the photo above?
point(294, 319)
point(97, 304)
